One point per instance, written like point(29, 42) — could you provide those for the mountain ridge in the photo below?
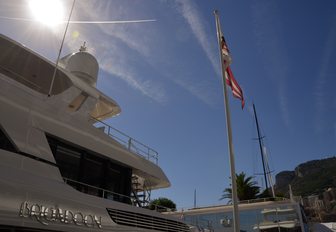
point(308, 178)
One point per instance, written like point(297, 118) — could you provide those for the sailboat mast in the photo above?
point(261, 147)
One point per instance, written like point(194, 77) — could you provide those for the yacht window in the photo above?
point(93, 168)
point(118, 180)
point(68, 161)
point(5, 142)
point(90, 172)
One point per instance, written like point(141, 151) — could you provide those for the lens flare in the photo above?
point(75, 34)
point(48, 12)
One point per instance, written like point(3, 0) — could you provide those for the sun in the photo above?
point(48, 12)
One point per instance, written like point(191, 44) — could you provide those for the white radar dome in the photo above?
point(82, 64)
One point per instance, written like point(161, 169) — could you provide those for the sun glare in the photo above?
point(48, 12)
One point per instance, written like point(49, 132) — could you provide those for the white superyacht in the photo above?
point(61, 167)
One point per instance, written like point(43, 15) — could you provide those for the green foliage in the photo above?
point(162, 204)
point(265, 194)
point(279, 195)
point(246, 188)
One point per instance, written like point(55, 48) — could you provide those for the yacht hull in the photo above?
point(28, 199)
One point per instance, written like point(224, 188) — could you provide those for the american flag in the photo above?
point(230, 80)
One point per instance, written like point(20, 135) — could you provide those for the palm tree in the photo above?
point(246, 188)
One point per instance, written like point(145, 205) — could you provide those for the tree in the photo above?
point(265, 193)
point(162, 204)
point(246, 188)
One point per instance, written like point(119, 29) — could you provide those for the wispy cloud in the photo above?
point(121, 48)
point(198, 90)
point(197, 24)
point(321, 100)
point(148, 88)
point(267, 30)
point(140, 37)
point(190, 12)
point(335, 132)
point(129, 49)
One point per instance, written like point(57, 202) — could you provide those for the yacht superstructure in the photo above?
point(263, 215)
point(61, 167)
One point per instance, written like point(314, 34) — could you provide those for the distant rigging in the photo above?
point(264, 158)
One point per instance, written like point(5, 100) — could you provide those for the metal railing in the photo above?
point(99, 192)
point(258, 200)
point(128, 142)
point(107, 194)
point(161, 209)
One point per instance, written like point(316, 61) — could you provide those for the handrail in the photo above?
point(128, 142)
point(257, 200)
point(107, 194)
point(104, 193)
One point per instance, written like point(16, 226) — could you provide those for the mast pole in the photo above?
point(261, 147)
point(195, 198)
point(229, 133)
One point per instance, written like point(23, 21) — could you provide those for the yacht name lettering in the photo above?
point(45, 215)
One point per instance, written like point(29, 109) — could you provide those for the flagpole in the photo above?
point(229, 133)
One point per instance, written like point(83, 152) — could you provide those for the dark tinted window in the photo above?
point(69, 162)
point(5, 142)
point(90, 172)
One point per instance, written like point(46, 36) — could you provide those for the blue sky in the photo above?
point(166, 77)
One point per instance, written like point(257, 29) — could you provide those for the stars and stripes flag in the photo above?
point(230, 80)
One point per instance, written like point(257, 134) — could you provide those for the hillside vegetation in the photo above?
point(309, 178)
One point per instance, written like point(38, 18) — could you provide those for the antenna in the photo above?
point(60, 51)
point(83, 47)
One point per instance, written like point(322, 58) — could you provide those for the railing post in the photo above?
point(129, 143)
